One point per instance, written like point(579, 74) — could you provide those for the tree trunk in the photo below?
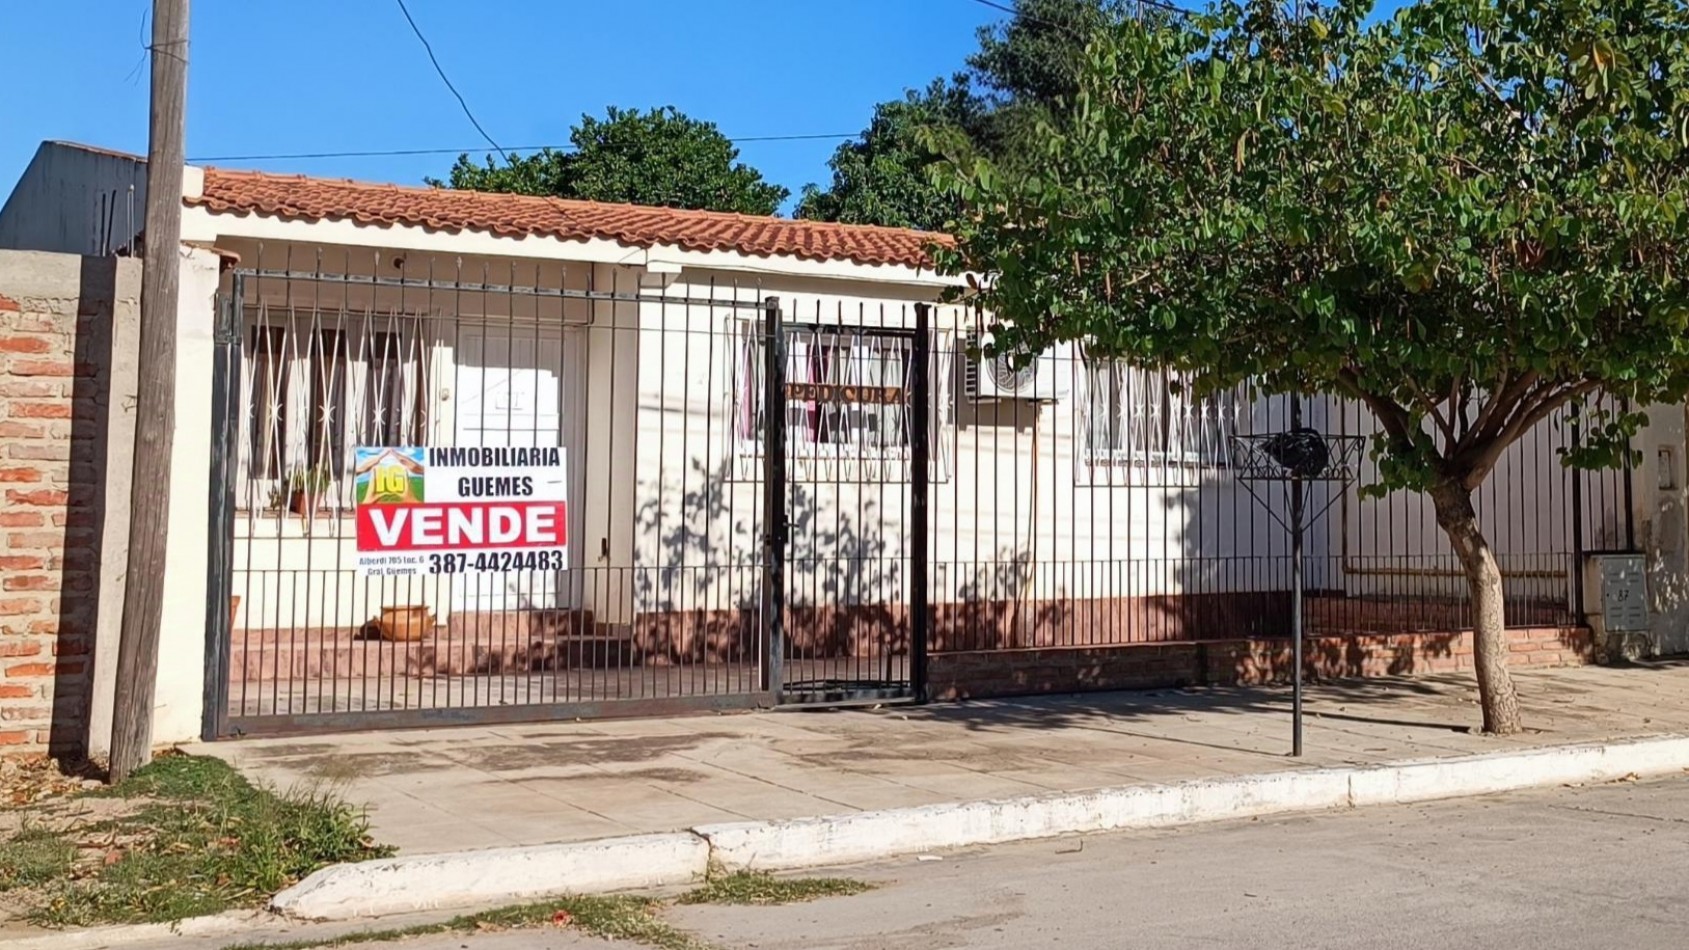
point(1489, 623)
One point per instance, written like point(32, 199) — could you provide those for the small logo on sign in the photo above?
point(389, 476)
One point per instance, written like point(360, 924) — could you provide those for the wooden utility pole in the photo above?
point(155, 405)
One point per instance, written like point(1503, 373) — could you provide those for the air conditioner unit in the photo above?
point(1047, 378)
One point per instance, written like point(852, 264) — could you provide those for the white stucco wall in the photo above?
point(181, 665)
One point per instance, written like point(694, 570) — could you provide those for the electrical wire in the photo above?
point(446, 79)
point(400, 152)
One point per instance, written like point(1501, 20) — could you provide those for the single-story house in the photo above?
point(735, 526)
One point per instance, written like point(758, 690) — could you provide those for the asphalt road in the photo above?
point(1563, 869)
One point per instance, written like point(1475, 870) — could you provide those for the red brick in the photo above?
point(13, 647)
point(27, 670)
point(48, 627)
point(22, 562)
point(14, 691)
point(21, 430)
point(40, 410)
point(7, 303)
point(25, 344)
point(30, 323)
point(16, 738)
point(30, 582)
point(35, 540)
point(19, 475)
point(19, 606)
point(21, 519)
point(26, 713)
point(42, 368)
point(32, 389)
point(38, 497)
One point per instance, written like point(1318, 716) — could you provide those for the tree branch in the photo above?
point(1539, 406)
point(1499, 408)
point(1390, 415)
point(1443, 424)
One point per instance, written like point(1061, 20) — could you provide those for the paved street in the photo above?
point(1569, 868)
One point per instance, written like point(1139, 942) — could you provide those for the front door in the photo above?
point(519, 387)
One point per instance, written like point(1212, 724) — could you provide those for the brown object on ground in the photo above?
point(400, 624)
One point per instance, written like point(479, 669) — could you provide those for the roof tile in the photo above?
point(441, 209)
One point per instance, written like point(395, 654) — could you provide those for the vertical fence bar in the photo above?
point(774, 497)
point(1629, 489)
point(1575, 569)
point(225, 428)
point(1296, 591)
point(921, 412)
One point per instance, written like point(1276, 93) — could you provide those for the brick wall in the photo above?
point(987, 673)
point(55, 331)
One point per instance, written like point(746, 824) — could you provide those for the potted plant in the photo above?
point(307, 489)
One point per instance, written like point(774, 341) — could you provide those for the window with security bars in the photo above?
point(312, 393)
point(847, 400)
point(1134, 415)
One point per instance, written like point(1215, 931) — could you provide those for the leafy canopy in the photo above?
point(1465, 216)
point(882, 178)
point(660, 157)
point(1024, 72)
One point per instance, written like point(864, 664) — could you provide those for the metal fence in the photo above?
point(770, 498)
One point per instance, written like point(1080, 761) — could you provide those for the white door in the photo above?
point(521, 386)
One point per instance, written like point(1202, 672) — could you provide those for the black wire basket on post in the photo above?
point(1294, 458)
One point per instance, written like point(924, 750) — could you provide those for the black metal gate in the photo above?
point(657, 610)
point(847, 436)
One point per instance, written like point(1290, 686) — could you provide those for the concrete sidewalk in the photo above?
point(467, 788)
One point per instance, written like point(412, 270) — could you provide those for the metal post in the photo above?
point(920, 413)
point(1576, 569)
point(1629, 488)
point(225, 426)
point(774, 497)
point(1296, 593)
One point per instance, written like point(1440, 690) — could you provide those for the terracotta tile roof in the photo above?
point(439, 209)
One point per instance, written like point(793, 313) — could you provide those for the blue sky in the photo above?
point(342, 75)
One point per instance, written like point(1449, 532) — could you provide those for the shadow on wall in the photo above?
point(86, 507)
point(700, 601)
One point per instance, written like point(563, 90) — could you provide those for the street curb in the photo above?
point(98, 938)
point(430, 882)
point(469, 878)
point(504, 875)
point(864, 836)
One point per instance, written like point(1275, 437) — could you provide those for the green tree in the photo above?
point(882, 178)
point(1467, 217)
point(1024, 71)
point(660, 157)
point(1030, 64)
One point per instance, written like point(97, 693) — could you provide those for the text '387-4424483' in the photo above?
point(458, 510)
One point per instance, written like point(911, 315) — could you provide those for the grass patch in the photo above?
point(612, 918)
point(33, 857)
point(763, 888)
point(198, 839)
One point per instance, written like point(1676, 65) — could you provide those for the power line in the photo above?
point(446, 79)
point(395, 152)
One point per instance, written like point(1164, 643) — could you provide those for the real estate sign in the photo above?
point(445, 510)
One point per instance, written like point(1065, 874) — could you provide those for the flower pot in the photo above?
point(305, 504)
